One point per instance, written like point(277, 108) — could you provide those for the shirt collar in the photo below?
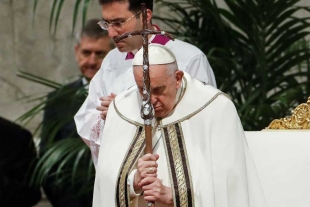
point(158, 39)
point(85, 82)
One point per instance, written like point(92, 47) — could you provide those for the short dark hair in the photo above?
point(134, 5)
point(92, 29)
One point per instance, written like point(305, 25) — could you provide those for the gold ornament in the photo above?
point(300, 119)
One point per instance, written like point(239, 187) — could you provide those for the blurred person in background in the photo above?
point(17, 158)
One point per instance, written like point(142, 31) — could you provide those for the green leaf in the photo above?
point(60, 3)
point(75, 14)
point(84, 12)
point(52, 14)
point(38, 79)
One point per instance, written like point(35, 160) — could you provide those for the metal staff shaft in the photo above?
point(146, 107)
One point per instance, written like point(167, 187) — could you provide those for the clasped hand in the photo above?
point(146, 180)
point(105, 102)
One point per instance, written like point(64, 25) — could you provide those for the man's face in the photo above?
point(163, 87)
point(90, 53)
point(118, 12)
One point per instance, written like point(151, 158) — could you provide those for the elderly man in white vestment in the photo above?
point(200, 155)
point(115, 75)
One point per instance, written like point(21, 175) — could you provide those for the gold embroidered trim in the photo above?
point(139, 124)
point(179, 171)
point(188, 166)
point(198, 110)
point(132, 155)
point(125, 118)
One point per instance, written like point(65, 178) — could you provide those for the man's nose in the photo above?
point(112, 32)
point(153, 99)
point(92, 59)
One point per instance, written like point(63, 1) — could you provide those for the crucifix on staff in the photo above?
point(146, 107)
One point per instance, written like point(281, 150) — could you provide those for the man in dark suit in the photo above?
point(17, 159)
point(61, 105)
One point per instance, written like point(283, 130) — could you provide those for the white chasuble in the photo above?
point(116, 76)
point(203, 154)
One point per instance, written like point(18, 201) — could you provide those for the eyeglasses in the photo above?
point(116, 25)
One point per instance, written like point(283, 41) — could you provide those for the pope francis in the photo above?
point(200, 155)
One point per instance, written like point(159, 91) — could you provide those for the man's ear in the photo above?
point(178, 76)
point(149, 15)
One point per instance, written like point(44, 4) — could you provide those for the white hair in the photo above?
point(172, 68)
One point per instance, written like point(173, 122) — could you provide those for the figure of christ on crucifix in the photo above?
point(146, 107)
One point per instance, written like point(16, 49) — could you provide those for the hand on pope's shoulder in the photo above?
point(105, 102)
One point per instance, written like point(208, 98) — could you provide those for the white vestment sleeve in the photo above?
point(88, 120)
point(114, 76)
point(130, 181)
point(193, 61)
point(200, 69)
